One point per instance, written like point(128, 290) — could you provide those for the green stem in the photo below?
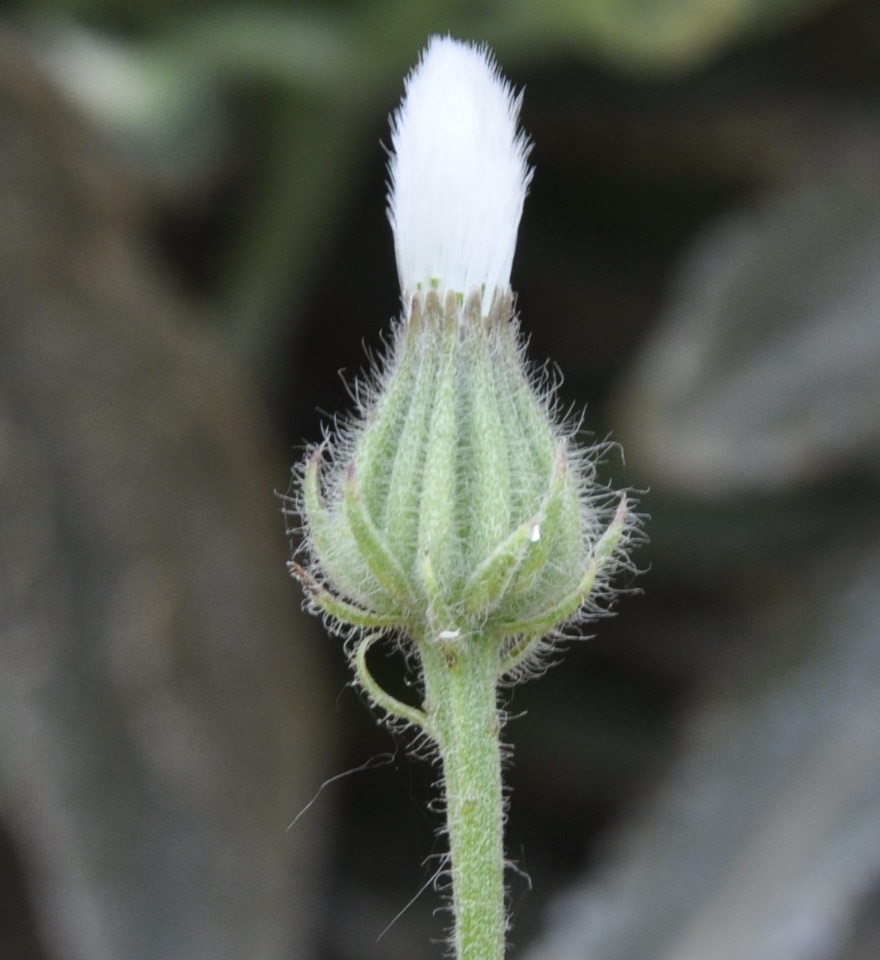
point(460, 690)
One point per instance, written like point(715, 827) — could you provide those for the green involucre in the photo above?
point(452, 507)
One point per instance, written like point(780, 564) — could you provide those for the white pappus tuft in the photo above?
point(458, 174)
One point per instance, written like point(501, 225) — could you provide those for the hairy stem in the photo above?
point(460, 686)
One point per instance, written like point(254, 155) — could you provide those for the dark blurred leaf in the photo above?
point(650, 36)
point(764, 372)
point(766, 839)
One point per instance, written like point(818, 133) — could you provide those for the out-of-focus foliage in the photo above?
point(154, 709)
point(765, 370)
point(655, 36)
point(644, 36)
point(764, 842)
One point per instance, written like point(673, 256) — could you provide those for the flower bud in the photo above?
point(454, 506)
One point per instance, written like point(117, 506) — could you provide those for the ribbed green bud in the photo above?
point(452, 507)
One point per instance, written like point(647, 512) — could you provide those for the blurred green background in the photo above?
point(699, 262)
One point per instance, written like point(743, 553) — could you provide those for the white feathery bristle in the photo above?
point(458, 173)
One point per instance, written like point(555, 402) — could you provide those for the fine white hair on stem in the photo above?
point(459, 173)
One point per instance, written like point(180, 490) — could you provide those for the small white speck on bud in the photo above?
point(459, 174)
